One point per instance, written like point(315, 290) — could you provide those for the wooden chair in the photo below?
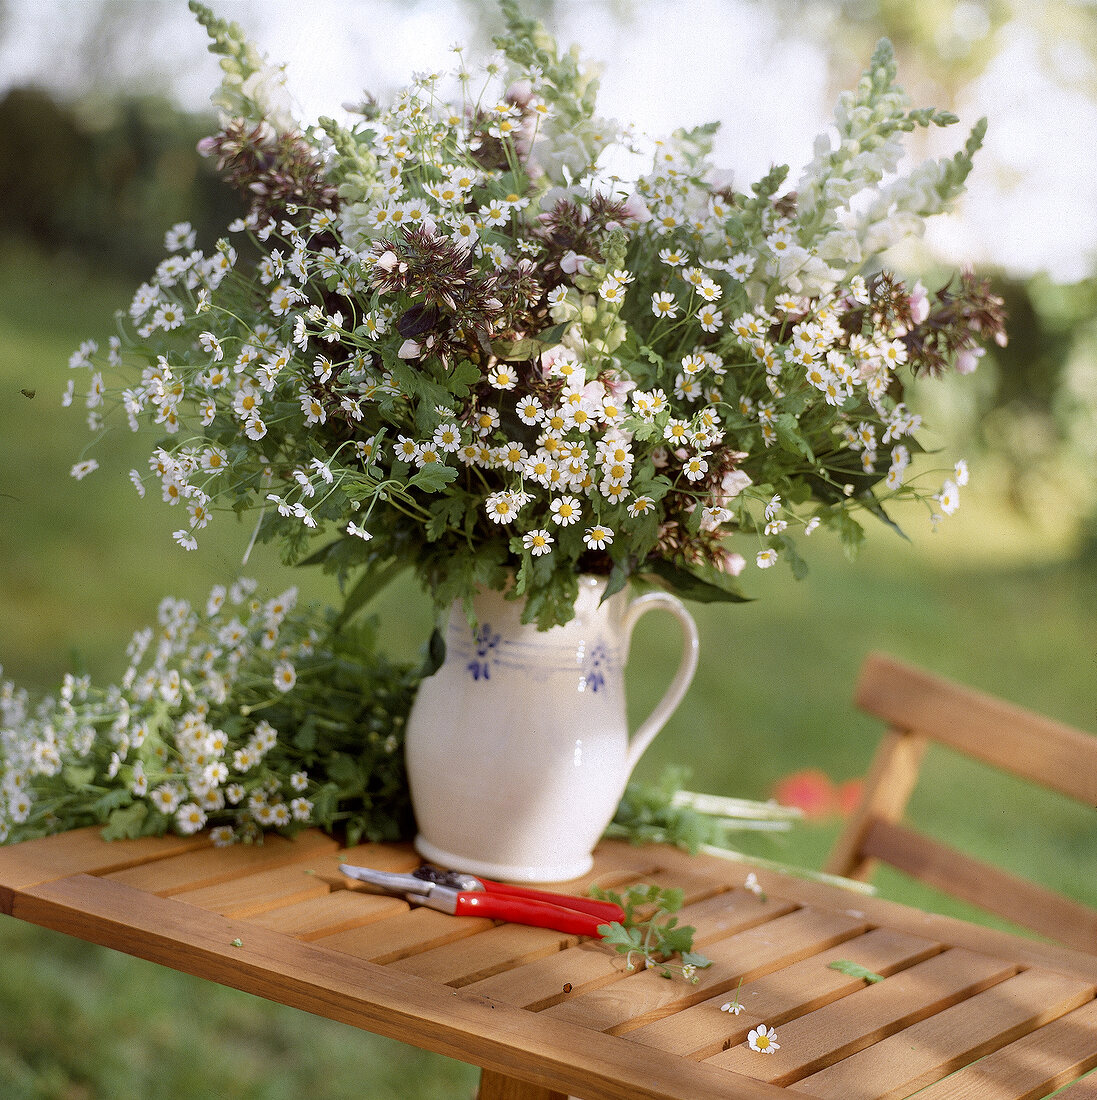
point(919, 708)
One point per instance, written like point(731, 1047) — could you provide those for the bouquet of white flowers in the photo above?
point(445, 336)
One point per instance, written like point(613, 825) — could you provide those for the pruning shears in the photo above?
point(468, 896)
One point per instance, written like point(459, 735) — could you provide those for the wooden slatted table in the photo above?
point(962, 1011)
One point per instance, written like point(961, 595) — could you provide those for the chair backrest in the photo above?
point(920, 707)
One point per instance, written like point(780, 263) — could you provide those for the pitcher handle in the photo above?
point(663, 601)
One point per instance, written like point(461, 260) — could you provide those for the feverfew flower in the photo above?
point(597, 537)
point(537, 542)
point(82, 469)
point(949, 497)
point(763, 1039)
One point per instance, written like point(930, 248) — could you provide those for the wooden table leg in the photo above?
point(494, 1086)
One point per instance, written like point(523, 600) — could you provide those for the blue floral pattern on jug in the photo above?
point(594, 678)
point(486, 642)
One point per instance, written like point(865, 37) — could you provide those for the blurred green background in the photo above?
point(1003, 596)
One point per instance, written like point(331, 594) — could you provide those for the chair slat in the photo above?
point(981, 726)
point(888, 787)
point(983, 885)
point(920, 707)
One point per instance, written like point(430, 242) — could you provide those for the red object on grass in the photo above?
point(810, 791)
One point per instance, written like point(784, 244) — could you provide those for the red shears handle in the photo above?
point(606, 911)
point(526, 910)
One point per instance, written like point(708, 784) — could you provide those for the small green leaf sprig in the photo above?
point(657, 938)
point(855, 970)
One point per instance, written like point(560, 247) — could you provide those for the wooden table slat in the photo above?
point(209, 866)
point(1030, 1067)
point(841, 1028)
point(1084, 1089)
point(929, 1050)
point(647, 997)
point(249, 895)
point(337, 911)
point(415, 929)
point(492, 951)
point(453, 1022)
point(540, 984)
point(704, 1030)
point(547, 1014)
point(892, 914)
point(82, 851)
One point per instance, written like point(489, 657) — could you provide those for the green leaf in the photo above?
point(318, 557)
point(125, 823)
point(873, 506)
point(78, 777)
point(435, 654)
point(788, 435)
point(618, 578)
point(111, 800)
point(433, 477)
point(689, 586)
point(369, 584)
point(462, 377)
point(517, 351)
point(850, 533)
point(855, 970)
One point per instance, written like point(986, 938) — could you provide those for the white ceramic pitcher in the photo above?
point(518, 749)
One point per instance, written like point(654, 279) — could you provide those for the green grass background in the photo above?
point(998, 604)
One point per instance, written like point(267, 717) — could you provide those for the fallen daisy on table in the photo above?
point(763, 1039)
point(734, 1006)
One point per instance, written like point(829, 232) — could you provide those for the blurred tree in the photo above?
point(107, 179)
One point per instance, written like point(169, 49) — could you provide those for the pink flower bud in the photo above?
point(733, 483)
point(919, 304)
point(968, 360)
point(636, 209)
point(520, 93)
point(574, 263)
point(730, 562)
